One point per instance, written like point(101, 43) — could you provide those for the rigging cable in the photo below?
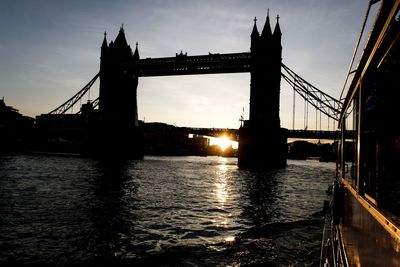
point(371, 2)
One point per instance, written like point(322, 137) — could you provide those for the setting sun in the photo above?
point(223, 142)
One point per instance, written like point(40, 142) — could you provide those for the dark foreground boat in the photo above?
point(364, 226)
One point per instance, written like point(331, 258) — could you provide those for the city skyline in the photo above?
point(51, 50)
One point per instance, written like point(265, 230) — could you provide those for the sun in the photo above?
point(223, 142)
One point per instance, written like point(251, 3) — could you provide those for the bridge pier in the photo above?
point(108, 138)
point(262, 148)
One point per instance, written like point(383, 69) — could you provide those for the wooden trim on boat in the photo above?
point(393, 230)
point(370, 199)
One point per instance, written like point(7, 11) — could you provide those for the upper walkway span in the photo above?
point(182, 64)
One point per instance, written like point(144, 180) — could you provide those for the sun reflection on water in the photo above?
point(230, 239)
point(223, 223)
point(221, 182)
point(222, 197)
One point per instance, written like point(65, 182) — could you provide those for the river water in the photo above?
point(160, 211)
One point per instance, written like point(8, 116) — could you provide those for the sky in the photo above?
point(49, 49)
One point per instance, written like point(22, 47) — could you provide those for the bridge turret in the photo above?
point(266, 32)
point(277, 35)
point(254, 36)
point(121, 40)
point(104, 45)
point(136, 54)
point(104, 49)
point(119, 51)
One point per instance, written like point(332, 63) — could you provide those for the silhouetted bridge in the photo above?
point(182, 64)
point(121, 68)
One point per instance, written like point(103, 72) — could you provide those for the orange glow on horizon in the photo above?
point(223, 142)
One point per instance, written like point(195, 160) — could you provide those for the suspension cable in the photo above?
point(71, 102)
point(328, 123)
point(320, 114)
point(294, 108)
point(312, 95)
point(306, 114)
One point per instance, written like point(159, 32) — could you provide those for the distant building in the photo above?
point(15, 128)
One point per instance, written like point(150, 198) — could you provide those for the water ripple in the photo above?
point(165, 211)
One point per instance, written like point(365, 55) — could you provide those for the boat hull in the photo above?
point(369, 238)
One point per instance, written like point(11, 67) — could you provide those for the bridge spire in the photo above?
point(254, 37)
point(104, 44)
point(277, 30)
point(266, 32)
point(121, 40)
point(255, 30)
point(136, 54)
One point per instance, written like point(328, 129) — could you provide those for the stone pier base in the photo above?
point(261, 149)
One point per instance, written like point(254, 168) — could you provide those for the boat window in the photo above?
point(380, 132)
point(350, 146)
point(388, 133)
point(370, 143)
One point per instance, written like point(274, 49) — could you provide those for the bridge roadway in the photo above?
point(233, 134)
point(182, 64)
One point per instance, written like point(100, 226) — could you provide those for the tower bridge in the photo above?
point(262, 141)
point(120, 70)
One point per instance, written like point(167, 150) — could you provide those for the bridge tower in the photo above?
point(116, 129)
point(262, 143)
point(118, 86)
